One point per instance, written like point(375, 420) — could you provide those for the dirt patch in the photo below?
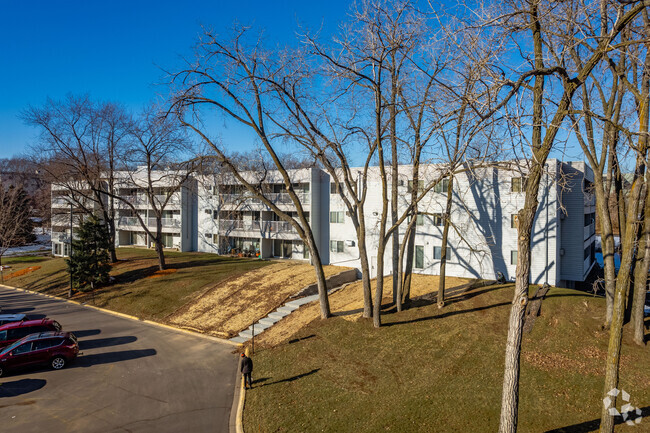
point(231, 306)
point(347, 303)
point(164, 272)
point(22, 272)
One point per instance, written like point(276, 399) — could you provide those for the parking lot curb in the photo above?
point(128, 316)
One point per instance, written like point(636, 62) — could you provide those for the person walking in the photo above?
point(246, 368)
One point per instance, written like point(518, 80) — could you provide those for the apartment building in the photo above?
point(482, 241)
point(67, 208)
point(218, 215)
point(232, 220)
point(172, 192)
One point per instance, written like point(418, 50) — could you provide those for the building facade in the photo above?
point(218, 215)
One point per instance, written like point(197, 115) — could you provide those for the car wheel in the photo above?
point(58, 363)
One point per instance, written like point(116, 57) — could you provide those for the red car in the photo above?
point(12, 332)
point(55, 349)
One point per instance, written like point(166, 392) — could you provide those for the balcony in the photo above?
point(142, 199)
point(589, 230)
point(226, 226)
point(151, 222)
point(276, 198)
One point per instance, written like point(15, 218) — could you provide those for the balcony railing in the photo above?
point(277, 198)
point(258, 226)
point(589, 230)
point(151, 222)
point(143, 199)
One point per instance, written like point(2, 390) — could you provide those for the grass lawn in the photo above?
point(440, 370)
point(137, 289)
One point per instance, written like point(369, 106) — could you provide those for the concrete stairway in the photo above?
point(272, 318)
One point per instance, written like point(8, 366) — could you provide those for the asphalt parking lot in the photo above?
point(132, 377)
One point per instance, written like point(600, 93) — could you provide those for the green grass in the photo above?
point(132, 292)
point(436, 370)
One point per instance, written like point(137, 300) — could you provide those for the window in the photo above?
point(46, 344)
point(587, 253)
point(334, 189)
point(336, 217)
point(438, 220)
point(419, 220)
point(437, 253)
point(215, 215)
point(208, 211)
point(208, 236)
point(518, 184)
point(419, 257)
point(336, 246)
point(513, 257)
point(23, 348)
point(514, 220)
point(409, 188)
point(305, 251)
point(442, 186)
point(589, 218)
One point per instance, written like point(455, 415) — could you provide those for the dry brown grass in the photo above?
point(348, 303)
point(232, 305)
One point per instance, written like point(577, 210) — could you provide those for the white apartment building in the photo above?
point(218, 215)
point(232, 220)
point(483, 238)
point(178, 215)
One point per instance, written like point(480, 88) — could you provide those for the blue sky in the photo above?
point(115, 50)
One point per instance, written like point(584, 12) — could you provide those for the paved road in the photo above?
point(132, 377)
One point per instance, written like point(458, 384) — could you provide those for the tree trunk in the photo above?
point(622, 284)
point(607, 246)
point(159, 245)
point(443, 252)
point(392, 109)
point(365, 270)
point(111, 235)
point(321, 282)
point(405, 277)
point(510, 396)
point(641, 277)
point(379, 289)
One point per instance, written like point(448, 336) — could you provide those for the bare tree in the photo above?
point(550, 39)
point(236, 79)
point(152, 175)
point(79, 142)
point(14, 217)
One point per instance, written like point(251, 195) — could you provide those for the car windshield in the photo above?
point(11, 347)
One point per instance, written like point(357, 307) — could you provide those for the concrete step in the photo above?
point(247, 333)
point(286, 308)
point(268, 321)
point(276, 315)
point(302, 301)
point(239, 340)
point(262, 325)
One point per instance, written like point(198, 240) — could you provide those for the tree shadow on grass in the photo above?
point(593, 425)
point(20, 387)
point(296, 340)
point(292, 378)
point(448, 314)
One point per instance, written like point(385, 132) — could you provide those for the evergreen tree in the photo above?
point(89, 263)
